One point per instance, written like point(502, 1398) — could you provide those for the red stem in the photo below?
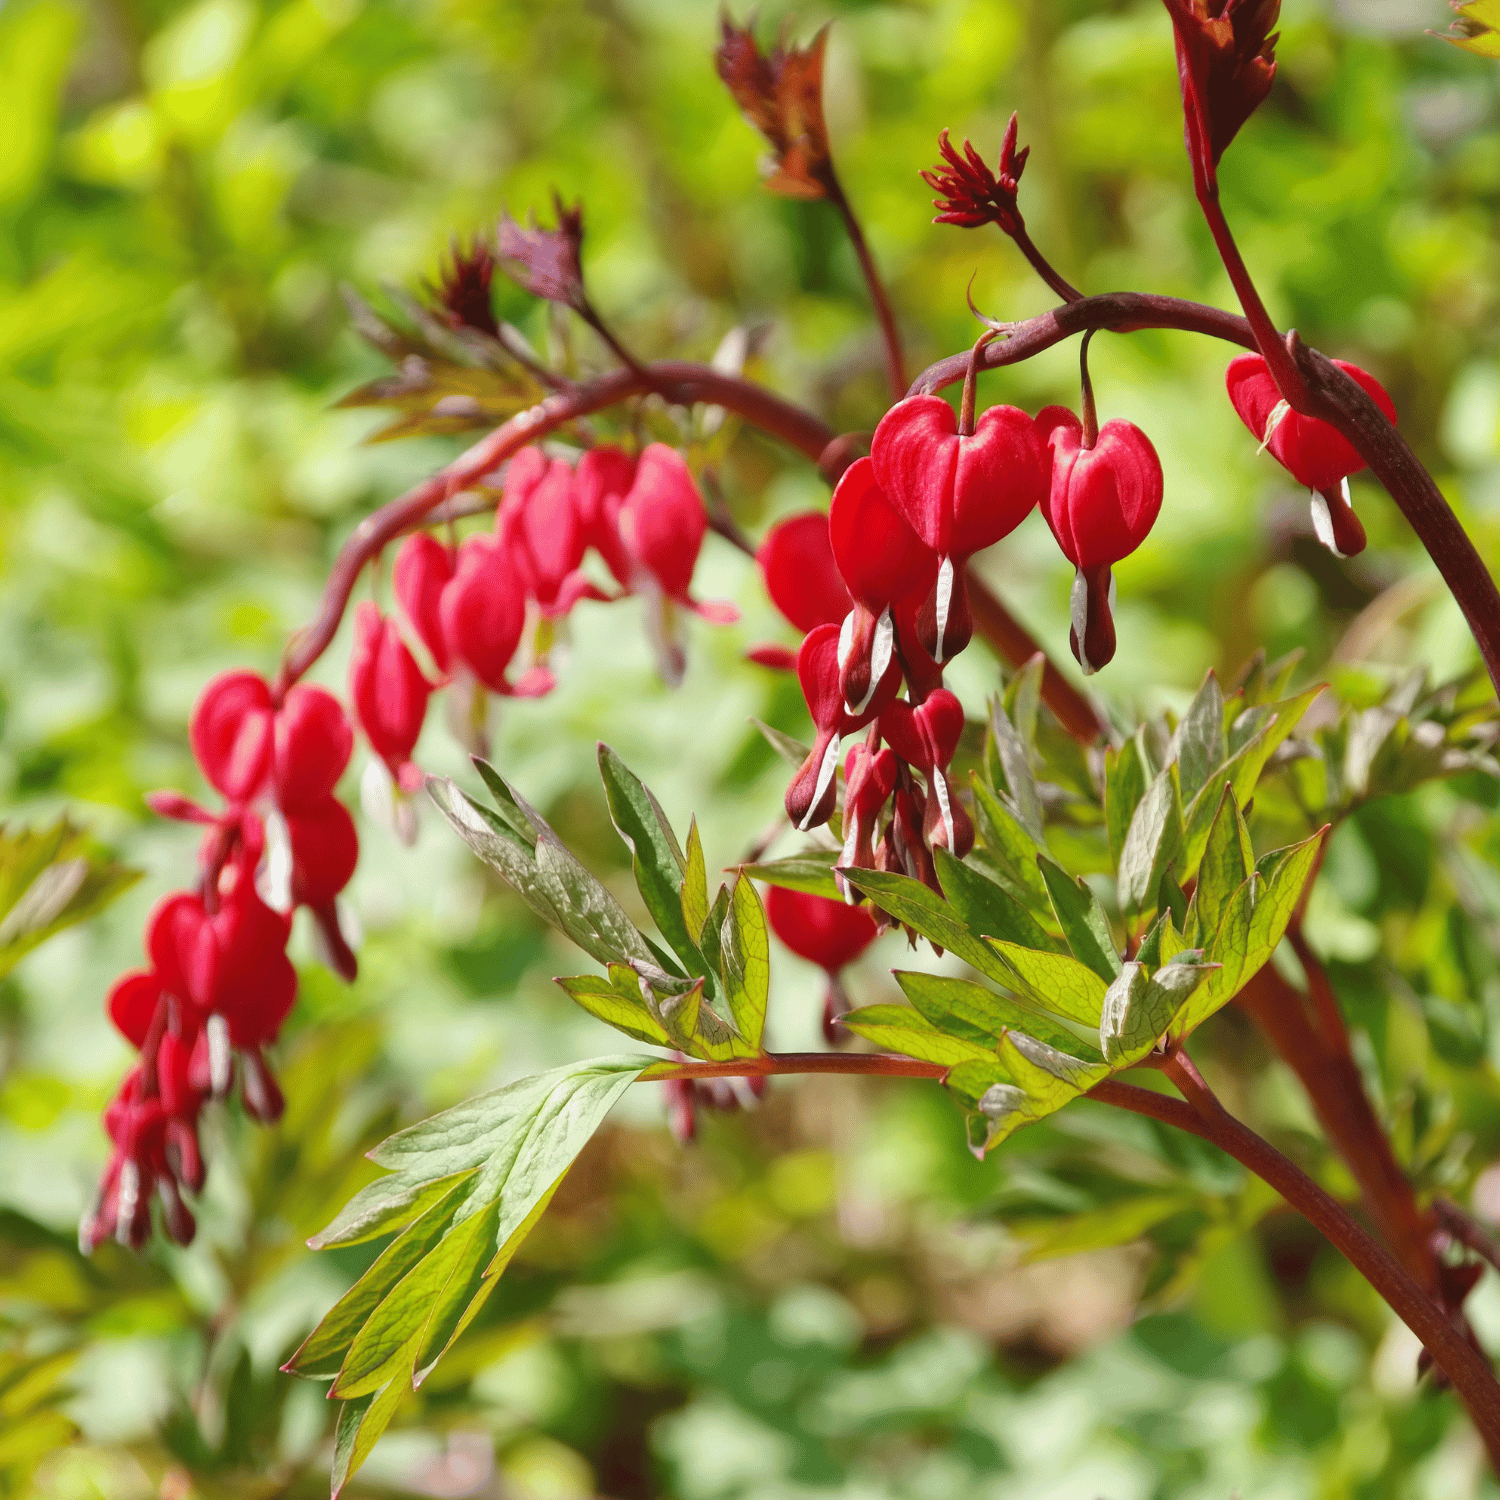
point(1042, 266)
point(1464, 1366)
point(895, 363)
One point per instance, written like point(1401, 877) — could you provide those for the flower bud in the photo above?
point(423, 570)
point(311, 745)
point(231, 733)
point(827, 933)
point(387, 688)
point(537, 527)
point(1316, 454)
point(796, 561)
point(484, 612)
point(601, 482)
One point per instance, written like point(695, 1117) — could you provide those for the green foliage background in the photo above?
point(818, 1299)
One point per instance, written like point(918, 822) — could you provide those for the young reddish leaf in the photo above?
point(546, 261)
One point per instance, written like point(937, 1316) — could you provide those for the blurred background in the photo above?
point(827, 1297)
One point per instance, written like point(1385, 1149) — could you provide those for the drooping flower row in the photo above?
point(219, 983)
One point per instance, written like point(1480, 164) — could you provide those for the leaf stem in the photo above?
point(894, 360)
point(1464, 1365)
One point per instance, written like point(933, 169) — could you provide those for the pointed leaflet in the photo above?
point(1012, 847)
point(1023, 697)
point(1198, 741)
point(360, 1423)
point(660, 867)
point(1138, 1009)
point(1125, 778)
point(1082, 920)
point(985, 906)
point(810, 872)
point(924, 911)
point(1228, 859)
point(1057, 980)
point(617, 1002)
point(713, 926)
point(746, 956)
point(1043, 1080)
point(1018, 778)
point(695, 886)
point(968, 1010)
point(1151, 842)
point(899, 1028)
point(545, 875)
point(1253, 923)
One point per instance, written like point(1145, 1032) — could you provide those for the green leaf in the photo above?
point(1126, 775)
point(1115, 1224)
point(1253, 923)
point(695, 886)
point(810, 872)
point(899, 1028)
point(679, 1011)
point(967, 1010)
point(746, 949)
point(50, 879)
point(1019, 780)
point(617, 1001)
point(1151, 841)
point(658, 860)
point(1228, 859)
point(1082, 920)
point(1023, 697)
point(360, 1423)
point(1043, 1080)
point(793, 752)
point(1198, 741)
point(546, 875)
point(924, 911)
point(1060, 982)
point(713, 927)
point(1139, 1009)
point(473, 1181)
point(1013, 847)
point(986, 907)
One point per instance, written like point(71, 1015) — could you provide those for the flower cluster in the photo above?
point(472, 605)
point(880, 591)
point(220, 983)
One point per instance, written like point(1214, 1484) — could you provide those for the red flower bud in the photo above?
point(959, 494)
point(231, 732)
point(796, 560)
point(310, 747)
point(811, 797)
point(537, 525)
point(132, 1004)
point(600, 484)
point(868, 783)
point(1314, 453)
point(388, 691)
point(926, 737)
point(423, 569)
point(1103, 500)
point(484, 611)
point(325, 850)
point(881, 560)
point(827, 933)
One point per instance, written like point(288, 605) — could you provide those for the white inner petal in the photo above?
point(943, 601)
point(217, 1032)
point(825, 776)
point(1078, 608)
point(1323, 521)
point(130, 1192)
point(846, 640)
point(1279, 414)
point(273, 881)
point(939, 784)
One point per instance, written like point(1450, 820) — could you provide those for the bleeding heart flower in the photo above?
point(231, 733)
point(960, 494)
point(1314, 453)
point(601, 482)
point(881, 560)
point(311, 745)
point(537, 526)
point(132, 1005)
point(827, 933)
point(797, 563)
point(811, 797)
point(1102, 504)
point(386, 687)
point(325, 850)
point(423, 569)
point(484, 612)
point(869, 780)
point(926, 737)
